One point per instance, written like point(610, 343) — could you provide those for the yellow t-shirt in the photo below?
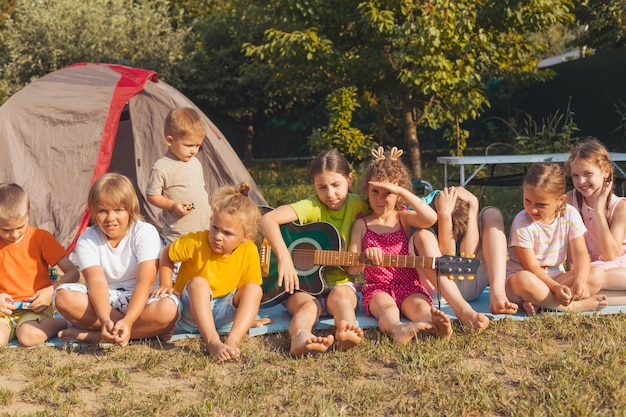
point(312, 210)
point(224, 273)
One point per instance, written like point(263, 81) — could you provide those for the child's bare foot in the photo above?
point(166, 336)
point(76, 334)
point(348, 335)
point(501, 305)
point(442, 325)
point(261, 322)
point(404, 332)
point(303, 342)
point(529, 308)
point(221, 351)
point(477, 320)
point(594, 303)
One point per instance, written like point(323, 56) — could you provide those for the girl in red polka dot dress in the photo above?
point(391, 292)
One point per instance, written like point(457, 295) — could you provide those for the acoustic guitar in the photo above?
point(314, 246)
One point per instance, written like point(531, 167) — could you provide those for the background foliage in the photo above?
point(318, 73)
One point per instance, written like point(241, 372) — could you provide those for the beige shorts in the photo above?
point(19, 317)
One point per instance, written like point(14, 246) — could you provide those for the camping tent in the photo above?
point(66, 129)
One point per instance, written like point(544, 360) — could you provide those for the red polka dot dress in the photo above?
point(397, 282)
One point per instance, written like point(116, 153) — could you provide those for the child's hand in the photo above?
point(6, 305)
point(563, 294)
point(287, 273)
point(446, 200)
point(42, 299)
point(182, 207)
point(604, 194)
point(163, 291)
point(121, 333)
point(388, 186)
point(107, 329)
point(375, 255)
point(580, 291)
point(117, 332)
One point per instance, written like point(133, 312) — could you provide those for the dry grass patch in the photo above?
point(554, 365)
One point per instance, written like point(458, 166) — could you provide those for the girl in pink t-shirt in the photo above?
point(540, 237)
point(604, 215)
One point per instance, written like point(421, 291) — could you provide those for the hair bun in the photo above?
point(243, 188)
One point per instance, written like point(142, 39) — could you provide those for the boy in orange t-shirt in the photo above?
point(25, 289)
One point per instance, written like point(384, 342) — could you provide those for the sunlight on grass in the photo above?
point(570, 365)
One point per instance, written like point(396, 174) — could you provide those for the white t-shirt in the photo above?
point(119, 265)
point(549, 241)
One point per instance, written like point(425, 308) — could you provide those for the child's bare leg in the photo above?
point(76, 308)
point(448, 289)
point(32, 333)
point(342, 302)
point(77, 334)
point(494, 252)
point(199, 296)
point(594, 303)
point(384, 308)
point(5, 332)
point(157, 319)
point(462, 309)
point(614, 279)
point(533, 291)
point(614, 298)
point(417, 308)
point(247, 300)
point(305, 311)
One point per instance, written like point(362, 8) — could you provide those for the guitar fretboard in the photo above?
point(338, 258)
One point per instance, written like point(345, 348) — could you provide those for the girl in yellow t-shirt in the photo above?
point(219, 280)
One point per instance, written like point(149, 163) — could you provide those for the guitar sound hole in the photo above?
point(303, 256)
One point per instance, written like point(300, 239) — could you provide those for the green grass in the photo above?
point(570, 365)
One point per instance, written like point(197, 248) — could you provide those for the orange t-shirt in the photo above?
point(24, 265)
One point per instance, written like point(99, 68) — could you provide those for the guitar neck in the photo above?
point(339, 258)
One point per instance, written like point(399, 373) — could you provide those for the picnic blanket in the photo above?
point(281, 320)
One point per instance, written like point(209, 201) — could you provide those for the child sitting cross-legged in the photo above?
point(25, 288)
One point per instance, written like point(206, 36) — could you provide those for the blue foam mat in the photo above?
point(281, 320)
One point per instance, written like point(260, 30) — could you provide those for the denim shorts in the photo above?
point(223, 311)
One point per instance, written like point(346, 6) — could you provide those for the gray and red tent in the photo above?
point(66, 129)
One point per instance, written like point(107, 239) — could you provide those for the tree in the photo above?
point(46, 35)
point(220, 78)
point(420, 63)
point(605, 23)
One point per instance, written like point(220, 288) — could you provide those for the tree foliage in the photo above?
point(604, 22)
point(46, 35)
point(340, 134)
point(413, 63)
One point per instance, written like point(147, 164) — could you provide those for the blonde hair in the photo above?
point(550, 178)
point(184, 122)
point(14, 202)
point(387, 168)
point(235, 201)
point(114, 190)
point(593, 152)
